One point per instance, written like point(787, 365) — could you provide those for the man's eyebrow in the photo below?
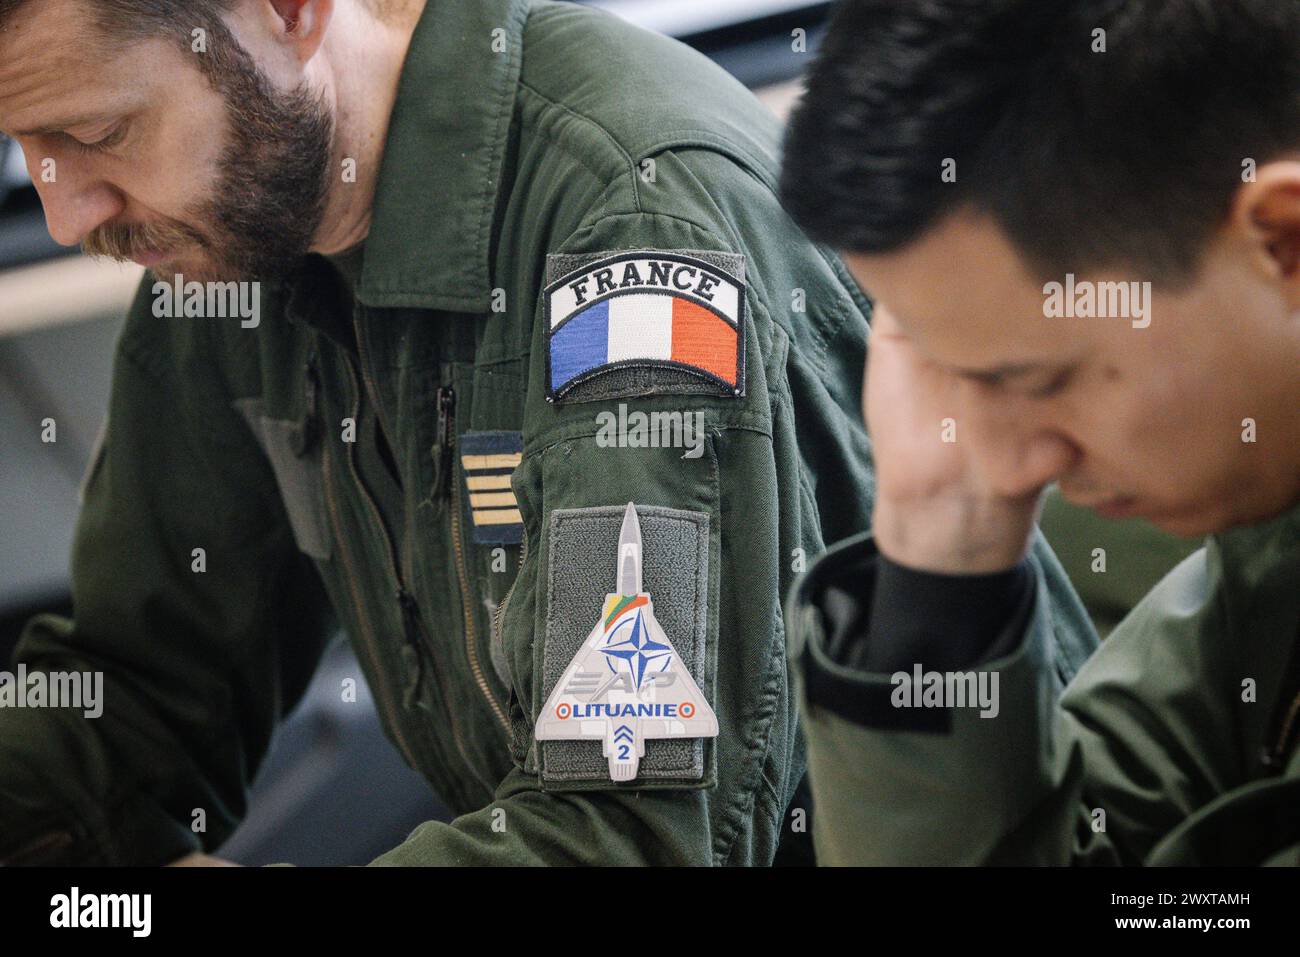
point(1011, 370)
point(64, 125)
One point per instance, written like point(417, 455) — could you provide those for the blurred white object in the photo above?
point(70, 289)
point(679, 18)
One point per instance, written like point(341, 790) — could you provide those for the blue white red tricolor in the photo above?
point(646, 308)
point(626, 684)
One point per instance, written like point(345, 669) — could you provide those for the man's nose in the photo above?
point(1015, 450)
point(76, 202)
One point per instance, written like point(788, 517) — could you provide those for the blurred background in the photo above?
point(332, 790)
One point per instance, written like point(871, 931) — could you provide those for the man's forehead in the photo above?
point(981, 329)
point(47, 54)
point(963, 260)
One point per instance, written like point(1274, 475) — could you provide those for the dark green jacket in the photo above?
point(504, 147)
point(1174, 744)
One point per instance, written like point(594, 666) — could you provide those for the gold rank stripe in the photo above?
point(489, 460)
point(500, 460)
point(497, 516)
point(492, 499)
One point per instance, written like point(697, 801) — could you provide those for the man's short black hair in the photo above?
point(1087, 159)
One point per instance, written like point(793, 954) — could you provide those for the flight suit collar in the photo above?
point(429, 245)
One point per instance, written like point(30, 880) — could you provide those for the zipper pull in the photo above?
point(444, 440)
point(446, 408)
point(410, 616)
point(307, 432)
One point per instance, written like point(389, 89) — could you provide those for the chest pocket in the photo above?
point(296, 461)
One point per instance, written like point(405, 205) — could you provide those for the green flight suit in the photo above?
point(1174, 744)
point(316, 461)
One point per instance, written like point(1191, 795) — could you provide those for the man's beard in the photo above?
point(270, 192)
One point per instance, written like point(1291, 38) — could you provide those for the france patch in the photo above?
point(643, 309)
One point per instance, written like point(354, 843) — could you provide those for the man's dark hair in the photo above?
point(1086, 159)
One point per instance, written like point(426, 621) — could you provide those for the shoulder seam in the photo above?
point(618, 147)
point(592, 224)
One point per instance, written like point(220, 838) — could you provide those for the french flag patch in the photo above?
point(646, 308)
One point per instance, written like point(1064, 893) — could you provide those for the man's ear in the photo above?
point(1267, 211)
point(302, 24)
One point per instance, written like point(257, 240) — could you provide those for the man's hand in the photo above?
point(933, 513)
point(201, 860)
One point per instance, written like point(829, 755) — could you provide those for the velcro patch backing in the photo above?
point(679, 314)
point(582, 568)
point(488, 461)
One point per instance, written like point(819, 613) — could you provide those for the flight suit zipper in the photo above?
point(499, 615)
point(413, 629)
point(447, 436)
point(387, 707)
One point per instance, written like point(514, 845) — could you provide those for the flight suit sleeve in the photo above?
point(1096, 769)
point(183, 574)
point(726, 518)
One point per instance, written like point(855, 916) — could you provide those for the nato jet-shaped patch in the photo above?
point(626, 684)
